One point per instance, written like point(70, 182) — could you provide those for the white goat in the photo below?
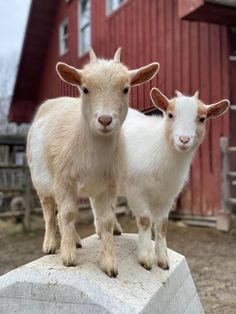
point(75, 149)
point(160, 151)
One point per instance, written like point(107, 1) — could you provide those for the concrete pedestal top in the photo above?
point(46, 286)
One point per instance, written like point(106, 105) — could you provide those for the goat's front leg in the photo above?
point(67, 213)
point(146, 254)
point(104, 221)
point(161, 225)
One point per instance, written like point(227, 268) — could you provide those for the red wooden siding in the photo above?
point(193, 56)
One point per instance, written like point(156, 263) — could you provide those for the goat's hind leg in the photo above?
point(49, 214)
point(117, 227)
point(78, 240)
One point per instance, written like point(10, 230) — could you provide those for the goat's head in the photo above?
point(105, 87)
point(185, 118)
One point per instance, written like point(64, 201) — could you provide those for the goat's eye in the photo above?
point(85, 90)
point(125, 91)
point(170, 115)
point(202, 119)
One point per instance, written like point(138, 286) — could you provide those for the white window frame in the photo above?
point(63, 37)
point(113, 5)
point(83, 49)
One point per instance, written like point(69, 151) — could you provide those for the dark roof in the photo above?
point(210, 11)
point(36, 41)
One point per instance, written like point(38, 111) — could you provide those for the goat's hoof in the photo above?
point(49, 247)
point(164, 266)
point(117, 229)
point(146, 259)
point(69, 263)
point(163, 261)
point(112, 273)
point(108, 264)
point(147, 267)
point(117, 232)
point(78, 241)
point(50, 251)
point(69, 258)
point(78, 245)
point(110, 270)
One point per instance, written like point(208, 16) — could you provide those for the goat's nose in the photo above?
point(184, 139)
point(105, 120)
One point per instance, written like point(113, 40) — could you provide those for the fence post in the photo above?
point(223, 216)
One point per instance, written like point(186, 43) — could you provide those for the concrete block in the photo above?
point(223, 221)
point(46, 286)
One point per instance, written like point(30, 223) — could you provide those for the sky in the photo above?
point(13, 18)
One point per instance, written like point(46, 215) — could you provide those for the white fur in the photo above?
point(41, 175)
point(154, 167)
point(184, 119)
point(157, 171)
point(158, 164)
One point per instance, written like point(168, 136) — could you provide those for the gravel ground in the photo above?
point(211, 256)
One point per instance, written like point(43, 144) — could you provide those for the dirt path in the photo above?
point(211, 256)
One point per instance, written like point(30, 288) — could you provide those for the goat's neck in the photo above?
point(97, 150)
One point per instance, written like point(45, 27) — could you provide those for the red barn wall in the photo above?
point(193, 56)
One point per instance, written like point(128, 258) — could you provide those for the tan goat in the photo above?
point(76, 149)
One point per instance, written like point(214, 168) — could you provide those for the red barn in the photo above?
point(194, 41)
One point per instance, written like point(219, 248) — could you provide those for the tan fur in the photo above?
point(200, 126)
point(144, 222)
point(171, 106)
point(49, 214)
point(168, 130)
point(201, 109)
point(164, 226)
point(28, 156)
point(71, 154)
point(160, 243)
point(217, 109)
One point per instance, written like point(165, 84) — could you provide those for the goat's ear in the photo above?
point(68, 73)
point(159, 100)
point(144, 74)
point(217, 109)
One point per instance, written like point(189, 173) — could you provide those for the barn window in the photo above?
point(63, 37)
point(84, 26)
point(113, 5)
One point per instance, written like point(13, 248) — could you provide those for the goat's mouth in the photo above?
point(105, 131)
point(182, 148)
